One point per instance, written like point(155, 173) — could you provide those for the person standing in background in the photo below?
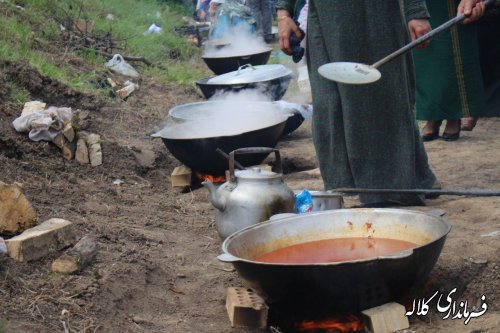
point(364, 138)
point(261, 11)
point(489, 54)
point(448, 73)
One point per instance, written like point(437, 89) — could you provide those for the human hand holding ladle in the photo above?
point(357, 73)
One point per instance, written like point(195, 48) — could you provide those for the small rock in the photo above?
point(492, 234)
point(95, 154)
point(81, 120)
point(145, 158)
point(139, 320)
point(93, 139)
point(118, 182)
point(16, 212)
point(477, 261)
point(76, 258)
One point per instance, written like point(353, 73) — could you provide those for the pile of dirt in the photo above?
point(41, 87)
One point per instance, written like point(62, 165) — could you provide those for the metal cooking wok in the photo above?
point(345, 286)
point(195, 131)
point(221, 64)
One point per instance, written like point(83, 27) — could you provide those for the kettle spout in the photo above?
point(215, 198)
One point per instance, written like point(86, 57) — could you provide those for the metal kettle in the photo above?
point(251, 195)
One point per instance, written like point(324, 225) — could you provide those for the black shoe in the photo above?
point(430, 137)
point(453, 136)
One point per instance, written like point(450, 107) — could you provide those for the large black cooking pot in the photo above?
point(195, 131)
point(337, 287)
point(275, 88)
point(221, 64)
point(269, 80)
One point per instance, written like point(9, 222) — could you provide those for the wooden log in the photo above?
point(16, 212)
point(69, 132)
point(59, 140)
point(52, 235)
point(82, 152)
point(76, 258)
point(68, 150)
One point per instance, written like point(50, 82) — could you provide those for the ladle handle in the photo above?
point(254, 150)
point(425, 37)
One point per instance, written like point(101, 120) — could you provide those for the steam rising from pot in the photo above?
point(237, 42)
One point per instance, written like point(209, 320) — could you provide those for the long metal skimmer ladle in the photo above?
point(357, 73)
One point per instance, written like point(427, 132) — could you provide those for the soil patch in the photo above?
point(156, 268)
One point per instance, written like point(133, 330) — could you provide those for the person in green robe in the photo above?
point(365, 136)
point(448, 74)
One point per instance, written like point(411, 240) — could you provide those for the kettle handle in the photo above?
point(254, 150)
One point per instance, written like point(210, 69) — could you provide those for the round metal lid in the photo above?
point(349, 72)
point(250, 74)
point(256, 173)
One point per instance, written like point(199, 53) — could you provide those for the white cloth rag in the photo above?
point(44, 125)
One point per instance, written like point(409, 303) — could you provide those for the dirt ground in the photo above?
point(156, 268)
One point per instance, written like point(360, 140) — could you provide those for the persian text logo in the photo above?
point(421, 307)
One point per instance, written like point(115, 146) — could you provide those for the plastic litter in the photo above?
point(44, 125)
point(119, 65)
point(3, 247)
point(153, 29)
point(303, 202)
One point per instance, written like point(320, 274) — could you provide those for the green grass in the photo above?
point(25, 33)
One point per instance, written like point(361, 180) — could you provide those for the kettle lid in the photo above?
point(257, 174)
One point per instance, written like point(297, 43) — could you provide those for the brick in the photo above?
point(50, 236)
point(181, 176)
point(245, 308)
point(16, 212)
point(386, 318)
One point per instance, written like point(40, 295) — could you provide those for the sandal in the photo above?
point(468, 123)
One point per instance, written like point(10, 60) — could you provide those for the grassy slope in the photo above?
point(26, 34)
